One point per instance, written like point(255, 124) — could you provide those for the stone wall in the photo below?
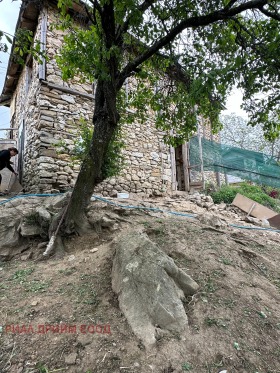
point(147, 163)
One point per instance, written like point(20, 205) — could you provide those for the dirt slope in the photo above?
point(56, 314)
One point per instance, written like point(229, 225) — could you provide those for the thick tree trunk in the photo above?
point(105, 124)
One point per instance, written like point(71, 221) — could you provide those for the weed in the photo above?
point(37, 286)
point(4, 287)
point(218, 273)
point(187, 367)
point(84, 291)
point(21, 274)
point(217, 322)
point(146, 224)
point(19, 310)
point(230, 303)
point(225, 261)
point(210, 286)
point(43, 369)
point(67, 271)
point(276, 281)
point(209, 366)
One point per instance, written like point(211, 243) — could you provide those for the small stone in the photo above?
point(93, 250)
point(71, 358)
point(71, 258)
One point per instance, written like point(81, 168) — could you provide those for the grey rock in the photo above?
point(150, 287)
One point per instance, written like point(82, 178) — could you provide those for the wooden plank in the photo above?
point(185, 154)
point(173, 169)
point(200, 154)
point(42, 66)
point(67, 90)
point(258, 211)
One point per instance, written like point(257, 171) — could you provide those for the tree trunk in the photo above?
point(105, 122)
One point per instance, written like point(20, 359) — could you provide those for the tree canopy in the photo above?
point(209, 46)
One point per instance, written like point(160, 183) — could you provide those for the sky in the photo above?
point(8, 17)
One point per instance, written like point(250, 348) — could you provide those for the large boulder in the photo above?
point(150, 287)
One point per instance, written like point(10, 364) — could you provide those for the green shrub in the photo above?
point(227, 194)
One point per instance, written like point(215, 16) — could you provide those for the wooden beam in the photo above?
point(67, 90)
point(185, 154)
point(173, 169)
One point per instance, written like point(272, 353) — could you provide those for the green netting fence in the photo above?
point(248, 165)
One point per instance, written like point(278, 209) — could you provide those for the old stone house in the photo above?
point(45, 110)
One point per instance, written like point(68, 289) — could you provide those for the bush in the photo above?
point(227, 194)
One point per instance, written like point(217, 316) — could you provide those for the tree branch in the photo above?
point(91, 17)
point(230, 4)
point(193, 22)
point(269, 14)
point(123, 29)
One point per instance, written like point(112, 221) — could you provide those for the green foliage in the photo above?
point(4, 45)
point(114, 160)
point(186, 367)
point(227, 194)
point(239, 49)
point(24, 44)
point(82, 140)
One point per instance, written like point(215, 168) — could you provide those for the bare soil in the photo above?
point(56, 314)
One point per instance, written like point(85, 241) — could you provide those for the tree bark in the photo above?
point(105, 122)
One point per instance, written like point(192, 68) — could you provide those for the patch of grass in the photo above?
point(4, 287)
point(22, 274)
point(218, 273)
point(67, 271)
point(209, 321)
point(225, 261)
point(84, 290)
point(210, 286)
point(146, 224)
point(37, 286)
point(228, 302)
point(209, 366)
point(42, 368)
point(186, 367)
point(19, 310)
point(247, 311)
